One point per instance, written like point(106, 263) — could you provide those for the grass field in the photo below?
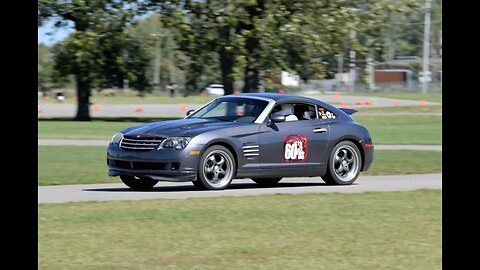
point(433, 97)
point(393, 230)
point(101, 130)
point(394, 129)
point(132, 98)
point(400, 129)
point(60, 165)
point(164, 98)
point(400, 109)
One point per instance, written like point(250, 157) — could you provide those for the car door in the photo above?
point(297, 144)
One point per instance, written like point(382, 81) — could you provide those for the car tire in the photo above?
point(216, 168)
point(344, 164)
point(138, 183)
point(198, 184)
point(267, 182)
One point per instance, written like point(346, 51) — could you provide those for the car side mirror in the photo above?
point(190, 112)
point(276, 119)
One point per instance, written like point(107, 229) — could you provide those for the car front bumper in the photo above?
point(162, 165)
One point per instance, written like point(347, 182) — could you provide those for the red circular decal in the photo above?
point(295, 148)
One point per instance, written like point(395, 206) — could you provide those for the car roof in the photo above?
point(276, 97)
point(281, 98)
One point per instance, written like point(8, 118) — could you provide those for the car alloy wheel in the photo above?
point(346, 163)
point(216, 168)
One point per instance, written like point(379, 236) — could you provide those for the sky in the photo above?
point(57, 34)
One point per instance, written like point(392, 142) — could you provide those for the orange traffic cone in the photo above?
point(344, 104)
point(281, 91)
point(336, 95)
point(40, 110)
point(203, 94)
point(358, 102)
point(366, 102)
point(95, 108)
point(236, 92)
point(137, 109)
point(396, 103)
point(183, 107)
point(423, 102)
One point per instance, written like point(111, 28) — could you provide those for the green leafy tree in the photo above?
point(45, 67)
point(99, 52)
point(149, 31)
point(254, 37)
point(48, 76)
point(402, 33)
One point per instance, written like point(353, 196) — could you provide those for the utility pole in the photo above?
point(441, 40)
point(340, 63)
point(426, 46)
point(370, 68)
point(158, 57)
point(353, 35)
point(125, 80)
point(340, 70)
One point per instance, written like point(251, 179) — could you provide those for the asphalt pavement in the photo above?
point(177, 110)
point(240, 187)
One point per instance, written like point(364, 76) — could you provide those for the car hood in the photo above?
point(182, 127)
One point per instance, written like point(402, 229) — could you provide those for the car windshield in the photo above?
point(232, 109)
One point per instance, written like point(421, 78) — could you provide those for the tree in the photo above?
point(150, 30)
point(48, 76)
point(402, 33)
point(99, 52)
point(250, 36)
point(45, 67)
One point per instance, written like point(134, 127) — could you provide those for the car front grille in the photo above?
point(140, 144)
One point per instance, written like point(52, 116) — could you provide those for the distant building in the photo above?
point(406, 62)
point(393, 76)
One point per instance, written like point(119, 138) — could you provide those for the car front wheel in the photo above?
point(216, 168)
point(138, 183)
point(344, 164)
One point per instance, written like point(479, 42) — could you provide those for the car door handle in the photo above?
point(320, 130)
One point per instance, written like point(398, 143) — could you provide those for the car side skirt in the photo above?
point(284, 172)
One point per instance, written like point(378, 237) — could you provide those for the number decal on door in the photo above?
point(295, 148)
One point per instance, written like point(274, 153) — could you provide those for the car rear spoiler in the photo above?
point(348, 111)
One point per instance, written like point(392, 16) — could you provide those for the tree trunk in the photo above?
point(251, 80)
point(83, 96)
point(226, 65)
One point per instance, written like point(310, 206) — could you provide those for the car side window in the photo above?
point(296, 111)
point(325, 114)
point(305, 111)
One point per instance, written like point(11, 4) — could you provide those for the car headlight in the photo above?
point(116, 138)
point(177, 143)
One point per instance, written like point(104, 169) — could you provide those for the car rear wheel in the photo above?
point(267, 182)
point(216, 168)
point(138, 183)
point(344, 164)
